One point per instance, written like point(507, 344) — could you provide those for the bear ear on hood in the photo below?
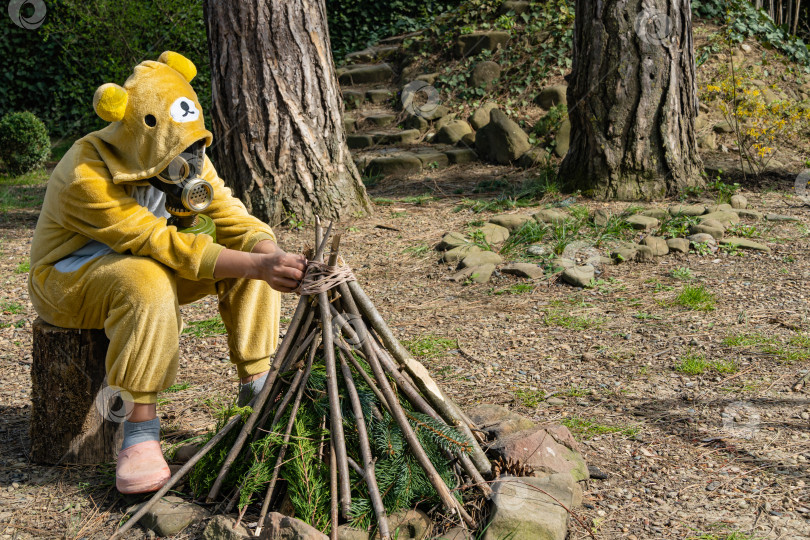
point(179, 63)
point(110, 102)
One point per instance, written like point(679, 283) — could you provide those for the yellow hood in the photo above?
point(154, 117)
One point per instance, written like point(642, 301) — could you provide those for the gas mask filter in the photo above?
point(187, 194)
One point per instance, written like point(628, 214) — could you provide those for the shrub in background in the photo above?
point(24, 143)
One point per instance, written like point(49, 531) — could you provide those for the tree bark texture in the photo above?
point(632, 100)
point(277, 110)
point(67, 376)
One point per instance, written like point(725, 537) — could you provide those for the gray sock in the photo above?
point(250, 390)
point(138, 432)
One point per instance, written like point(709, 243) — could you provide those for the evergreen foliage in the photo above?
point(24, 143)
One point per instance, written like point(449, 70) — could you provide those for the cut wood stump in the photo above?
point(75, 416)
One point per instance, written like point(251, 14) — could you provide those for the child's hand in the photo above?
point(282, 270)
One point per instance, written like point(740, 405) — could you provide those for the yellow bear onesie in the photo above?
point(103, 255)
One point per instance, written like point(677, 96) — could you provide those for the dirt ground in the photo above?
point(703, 455)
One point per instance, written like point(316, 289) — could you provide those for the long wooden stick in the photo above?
point(443, 405)
point(333, 490)
point(176, 477)
point(365, 452)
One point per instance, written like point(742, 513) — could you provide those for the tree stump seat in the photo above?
point(73, 416)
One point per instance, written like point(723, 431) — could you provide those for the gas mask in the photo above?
point(187, 194)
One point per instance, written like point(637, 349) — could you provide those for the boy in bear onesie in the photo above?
point(104, 256)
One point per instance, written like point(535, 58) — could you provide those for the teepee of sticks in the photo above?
point(348, 420)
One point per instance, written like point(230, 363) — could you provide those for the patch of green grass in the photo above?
point(696, 364)
point(701, 248)
point(417, 251)
point(530, 232)
point(696, 298)
point(677, 227)
point(11, 308)
point(745, 231)
point(574, 391)
point(646, 316)
point(588, 429)
point(177, 387)
point(419, 200)
point(682, 273)
point(206, 328)
point(23, 267)
point(566, 319)
point(530, 398)
point(517, 288)
point(796, 349)
point(730, 535)
point(381, 201)
point(747, 340)
point(430, 346)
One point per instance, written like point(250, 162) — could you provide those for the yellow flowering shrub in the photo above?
point(759, 125)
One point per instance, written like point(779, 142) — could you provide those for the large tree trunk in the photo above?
point(277, 110)
point(632, 100)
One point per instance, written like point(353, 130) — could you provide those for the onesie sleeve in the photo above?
point(93, 206)
point(236, 228)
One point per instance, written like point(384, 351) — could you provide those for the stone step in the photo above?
point(377, 138)
point(355, 98)
point(371, 55)
point(360, 74)
point(390, 161)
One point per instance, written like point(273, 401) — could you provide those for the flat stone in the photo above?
point(623, 254)
point(538, 250)
point(434, 113)
point(563, 138)
point(678, 245)
point(550, 216)
point(660, 214)
point(502, 140)
point(406, 136)
point(366, 74)
point(480, 258)
point(779, 217)
point(714, 231)
point(452, 240)
point(511, 222)
point(379, 96)
point(601, 217)
point(552, 96)
point(353, 99)
point(415, 121)
point(349, 124)
point(515, 6)
point(382, 120)
point(404, 163)
point(429, 78)
point(480, 117)
point(280, 527)
point(347, 532)
point(185, 453)
point(644, 223)
point(359, 140)
point(474, 43)
point(708, 141)
point(458, 253)
point(467, 141)
point(170, 515)
point(494, 234)
point(724, 207)
point(561, 263)
point(408, 525)
point(224, 528)
point(579, 276)
point(723, 127)
point(702, 238)
point(657, 244)
point(432, 159)
point(498, 421)
point(524, 270)
point(739, 202)
point(461, 155)
point(482, 273)
point(749, 214)
point(530, 507)
point(485, 74)
point(726, 218)
point(453, 132)
point(644, 253)
point(687, 210)
point(744, 243)
point(546, 450)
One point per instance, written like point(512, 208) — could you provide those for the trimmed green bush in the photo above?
point(24, 143)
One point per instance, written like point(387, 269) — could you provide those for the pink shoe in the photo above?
point(141, 468)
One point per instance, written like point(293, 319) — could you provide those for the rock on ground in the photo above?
point(657, 244)
point(550, 216)
point(552, 96)
point(479, 258)
point(546, 449)
point(644, 253)
point(458, 253)
point(726, 218)
point(170, 515)
point(525, 508)
point(224, 528)
point(533, 158)
point(525, 270)
point(678, 245)
point(400, 164)
point(739, 202)
point(453, 131)
point(480, 117)
point(498, 421)
point(745, 243)
point(563, 138)
point(624, 253)
point(579, 276)
point(461, 155)
point(280, 527)
point(658, 213)
point(687, 210)
point(512, 222)
point(494, 234)
point(702, 238)
point(485, 74)
point(502, 140)
point(472, 44)
point(712, 227)
point(643, 223)
point(452, 240)
point(408, 525)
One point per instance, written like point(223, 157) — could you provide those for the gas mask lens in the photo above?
point(181, 180)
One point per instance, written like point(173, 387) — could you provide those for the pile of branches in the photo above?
point(349, 427)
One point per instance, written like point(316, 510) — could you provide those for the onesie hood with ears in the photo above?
point(153, 118)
